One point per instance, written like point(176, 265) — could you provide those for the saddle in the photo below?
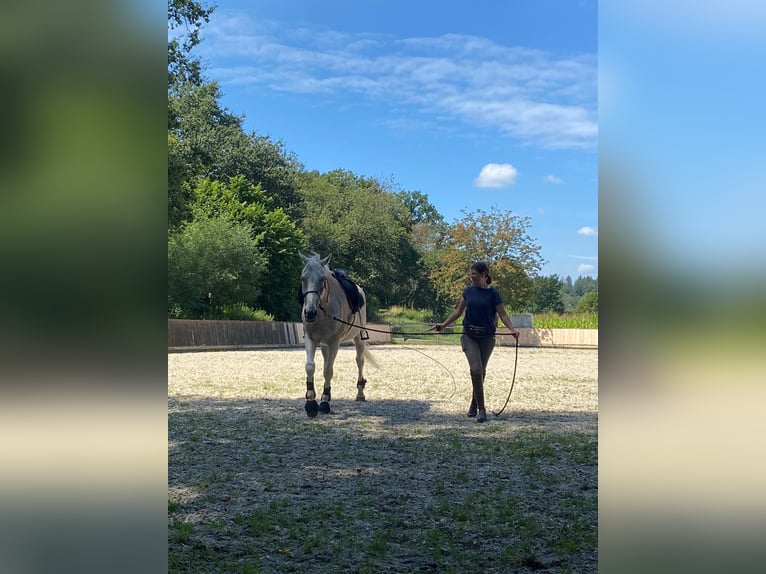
point(353, 295)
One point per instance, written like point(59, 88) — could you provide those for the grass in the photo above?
point(454, 527)
point(398, 314)
point(565, 321)
point(421, 319)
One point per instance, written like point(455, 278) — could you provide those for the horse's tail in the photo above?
point(369, 357)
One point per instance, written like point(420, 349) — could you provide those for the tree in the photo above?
point(588, 303)
point(427, 230)
point(189, 15)
point(275, 234)
point(205, 140)
point(420, 208)
point(363, 227)
point(498, 237)
point(567, 287)
point(214, 256)
point(547, 295)
point(572, 293)
point(583, 285)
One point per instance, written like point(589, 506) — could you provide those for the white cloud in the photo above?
point(586, 269)
point(496, 175)
point(552, 179)
point(587, 231)
point(529, 95)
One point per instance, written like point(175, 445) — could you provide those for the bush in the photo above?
point(588, 303)
point(213, 256)
point(373, 308)
point(242, 312)
point(397, 314)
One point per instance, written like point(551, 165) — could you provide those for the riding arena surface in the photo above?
point(403, 482)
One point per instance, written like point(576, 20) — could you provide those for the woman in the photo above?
point(482, 305)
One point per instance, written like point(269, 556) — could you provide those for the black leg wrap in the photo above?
point(324, 405)
point(360, 384)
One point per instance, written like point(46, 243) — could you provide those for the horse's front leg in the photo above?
point(328, 353)
point(360, 381)
point(311, 405)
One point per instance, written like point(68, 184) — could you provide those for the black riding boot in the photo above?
point(478, 398)
point(472, 408)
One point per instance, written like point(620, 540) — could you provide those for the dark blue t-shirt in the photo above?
point(480, 306)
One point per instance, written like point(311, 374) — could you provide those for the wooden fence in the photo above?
point(199, 335)
point(188, 334)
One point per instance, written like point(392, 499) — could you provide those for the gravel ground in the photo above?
point(403, 482)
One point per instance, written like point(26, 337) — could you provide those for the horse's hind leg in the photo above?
point(328, 353)
point(360, 381)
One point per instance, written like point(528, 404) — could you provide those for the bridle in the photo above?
point(318, 294)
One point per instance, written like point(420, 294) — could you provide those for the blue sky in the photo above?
point(484, 104)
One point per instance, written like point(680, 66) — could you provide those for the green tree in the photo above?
point(501, 239)
point(215, 256)
point(206, 140)
point(421, 210)
point(547, 294)
point(588, 303)
point(276, 235)
point(583, 285)
point(185, 19)
point(427, 229)
point(567, 287)
point(572, 292)
point(363, 227)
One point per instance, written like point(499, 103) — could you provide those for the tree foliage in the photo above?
point(547, 295)
point(275, 234)
point(588, 303)
point(581, 285)
point(206, 140)
point(212, 256)
point(499, 238)
point(185, 20)
point(363, 227)
point(574, 291)
point(427, 231)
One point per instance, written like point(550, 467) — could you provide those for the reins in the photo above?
point(513, 379)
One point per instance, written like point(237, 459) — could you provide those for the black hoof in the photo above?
point(311, 408)
point(324, 407)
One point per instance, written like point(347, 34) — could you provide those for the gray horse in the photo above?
point(328, 321)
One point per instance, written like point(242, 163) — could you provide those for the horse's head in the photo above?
point(313, 282)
